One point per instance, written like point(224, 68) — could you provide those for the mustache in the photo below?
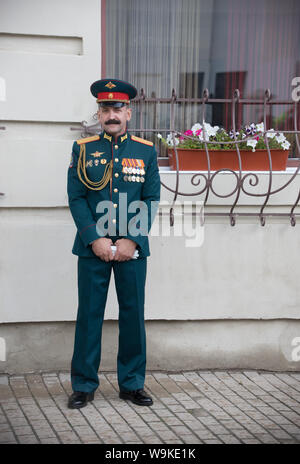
point(112, 121)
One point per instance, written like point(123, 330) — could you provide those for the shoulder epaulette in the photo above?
point(88, 139)
point(138, 139)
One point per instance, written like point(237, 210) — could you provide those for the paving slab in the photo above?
point(190, 407)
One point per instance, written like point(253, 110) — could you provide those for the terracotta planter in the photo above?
point(195, 159)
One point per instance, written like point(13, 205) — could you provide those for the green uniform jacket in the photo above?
point(94, 211)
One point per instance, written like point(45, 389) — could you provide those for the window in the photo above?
point(190, 45)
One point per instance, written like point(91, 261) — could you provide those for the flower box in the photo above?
point(191, 151)
point(196, 160)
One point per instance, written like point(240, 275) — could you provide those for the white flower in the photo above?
point(211, 131)
point(252, 143)
point(203, 136)
point(271, 133)
point(260, 127)
point(159, 136)
point(171, 139)
point(286, 145)
point(207, 127)
point(196, 127)
point(280, 138)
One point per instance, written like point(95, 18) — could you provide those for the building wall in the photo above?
point(241, 272)
point(232, 302)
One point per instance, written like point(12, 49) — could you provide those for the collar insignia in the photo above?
point(108, 137)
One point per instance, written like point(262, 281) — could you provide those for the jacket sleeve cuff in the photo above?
point(89, 234)
point(139, 240)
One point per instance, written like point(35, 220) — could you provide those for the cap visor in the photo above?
point(110, 103)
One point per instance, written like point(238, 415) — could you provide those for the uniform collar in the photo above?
point(122, 138)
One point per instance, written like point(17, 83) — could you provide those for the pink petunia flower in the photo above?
point(198, 132)
point(188, 132)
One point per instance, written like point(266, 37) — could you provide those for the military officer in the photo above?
point(113, 192)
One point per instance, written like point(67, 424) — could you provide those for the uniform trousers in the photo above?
point(93, 282)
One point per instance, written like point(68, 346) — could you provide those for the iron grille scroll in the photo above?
point(207, 176)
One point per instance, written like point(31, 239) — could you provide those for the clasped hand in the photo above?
point(124, 249)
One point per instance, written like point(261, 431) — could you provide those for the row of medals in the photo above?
point(126, 170)
point(132, 177)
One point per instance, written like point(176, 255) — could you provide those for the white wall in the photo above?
point(246, 271)
point(241, 272)
point(50, 53)
point(46, 78)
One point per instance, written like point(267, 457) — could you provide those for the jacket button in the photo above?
point(116, 174)
point(116, 147)
point(116, 190)
point(116, 160)
point(114, 221)
point(115, 205)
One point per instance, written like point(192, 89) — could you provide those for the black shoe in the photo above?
point(137, 397)
point(80, 399)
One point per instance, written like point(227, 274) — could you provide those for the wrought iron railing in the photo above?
point(241, 177)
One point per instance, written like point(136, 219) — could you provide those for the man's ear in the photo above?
point(129, 113)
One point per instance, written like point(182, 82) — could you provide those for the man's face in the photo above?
point(114, 120)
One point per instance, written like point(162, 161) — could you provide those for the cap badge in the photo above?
point(110, 95)
point(110, 85)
